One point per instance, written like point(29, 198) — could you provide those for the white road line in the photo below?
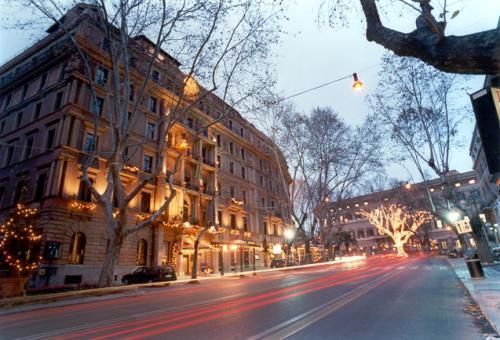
point(296, 324)
point(414, 267)
point(443, 268)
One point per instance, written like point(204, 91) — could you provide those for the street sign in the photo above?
point(463, 226)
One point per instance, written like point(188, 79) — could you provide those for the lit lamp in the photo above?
point(357, 84)
point(289, 234)
point(182, 145)
point(191, 88)
point(453, 216)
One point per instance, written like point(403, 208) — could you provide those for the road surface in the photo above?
point(376, 298)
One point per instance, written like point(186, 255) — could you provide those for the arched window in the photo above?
point(77, 248)
point(141, 253)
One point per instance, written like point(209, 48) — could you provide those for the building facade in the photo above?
point(436, 235)
point(230, 175)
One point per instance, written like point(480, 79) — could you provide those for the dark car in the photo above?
point(150, 274)
point(277, 263)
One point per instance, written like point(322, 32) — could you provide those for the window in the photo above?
point(101, 76)
point(150, 130)
point(7, 100)
point(242, 154)
point(265, 229)
point(275, 229)
point(230, 124)
point(43, 81)
point(89, 144)
point(231, 167)
point(40, 186)
point(219, 143)
point(242, 132)
point(77, 248)
point(61, 71)
point(261, 180)
point(263, 201)
point(21, 187)
point(231, 191)
point(361, 234)
point(58, 101)
point(190, 122)
point(10, 153)
point(51, 134)
point(97, 106)
point(2, 192)
point(219, 217)
point(145, 202)
point(141, 253)
point(153, 103)
point(245, 224)
point(370, 233)
point(25, 91)
point(36, 112)
point(155, 75)
point(244, 196)
point(231, 148)
point(19, 119)
point(243, 173)
point(147, 164)
point(84, 193)
point(233, 221)
point(219, 162)
point(28, 147)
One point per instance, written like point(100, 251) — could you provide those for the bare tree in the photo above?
point(418, 107)
point(327, 158)
point(398, 222)
point(477, 53)
point(218, 41)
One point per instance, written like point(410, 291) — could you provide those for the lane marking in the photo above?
point(302, 321)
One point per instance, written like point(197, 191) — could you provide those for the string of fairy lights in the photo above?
point(12, 231)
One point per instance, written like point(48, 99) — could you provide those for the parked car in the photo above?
point(495, 252)
point(150, 274)
point(455, 253)
point(277, 263)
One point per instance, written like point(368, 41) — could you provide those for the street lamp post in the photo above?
point(289, 237)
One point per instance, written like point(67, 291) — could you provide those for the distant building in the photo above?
point(436, 235)
point(46, 133)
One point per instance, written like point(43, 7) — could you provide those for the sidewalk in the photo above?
point(485, 292)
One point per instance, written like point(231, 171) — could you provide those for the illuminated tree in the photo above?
point(20, 241)
point(398, 222)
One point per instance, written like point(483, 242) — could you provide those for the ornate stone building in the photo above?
point(231, 175)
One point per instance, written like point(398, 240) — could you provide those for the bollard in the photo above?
point(475, 268)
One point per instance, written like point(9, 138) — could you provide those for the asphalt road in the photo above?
point(377, 298)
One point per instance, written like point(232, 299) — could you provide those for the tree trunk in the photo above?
point(330, 251)
point(106, 277)
point(194, 272)
point(194, 269)
point(483, 249)
point(307, 246)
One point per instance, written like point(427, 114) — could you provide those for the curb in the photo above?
point(473, 297)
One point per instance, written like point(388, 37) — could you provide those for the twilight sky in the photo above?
point(312, 54)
